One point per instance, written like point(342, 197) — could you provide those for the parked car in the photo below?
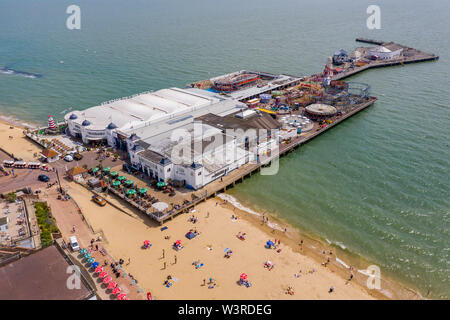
point(68, 158)
point(78, 156)
point(43, 178)
point(74, 243)
point(99, 200)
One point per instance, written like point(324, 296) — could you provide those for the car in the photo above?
point(78, 156)
point(74, 243)
point(68, 158)
point(43, 178)
point(99, 200)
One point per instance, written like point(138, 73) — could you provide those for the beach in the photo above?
point(14, 141)
point(126, 234)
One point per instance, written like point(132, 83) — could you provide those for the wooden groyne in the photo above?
point(371, 41)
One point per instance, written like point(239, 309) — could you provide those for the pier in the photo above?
point(289, 96)
point(409, 55)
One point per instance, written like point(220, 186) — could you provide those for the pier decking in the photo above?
point(409, 55)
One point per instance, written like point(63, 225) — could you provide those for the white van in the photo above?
point(74, 243)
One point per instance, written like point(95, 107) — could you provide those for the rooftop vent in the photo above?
point(85, 123)
point(73, 116)
point(111, 126)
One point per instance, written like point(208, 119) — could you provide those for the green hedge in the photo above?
point(46, 223)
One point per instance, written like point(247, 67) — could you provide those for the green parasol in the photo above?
point(129, 182)
point(114, 174)
point(160, 184)
point(107, 169)
point(116, 183)
point(95, 170)
point(143, 190)
point(131, 192)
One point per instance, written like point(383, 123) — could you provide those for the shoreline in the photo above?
point(311, 248)
point(314, 244)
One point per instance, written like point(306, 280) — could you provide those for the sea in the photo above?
point(377, 185)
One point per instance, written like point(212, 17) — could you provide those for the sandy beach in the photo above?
point(126, 234)
point(14, 141)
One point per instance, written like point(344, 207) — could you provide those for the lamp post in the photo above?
point(59, 182)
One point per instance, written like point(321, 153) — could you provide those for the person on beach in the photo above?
point(73, 229)
point(331, 289)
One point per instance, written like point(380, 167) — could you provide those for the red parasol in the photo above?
point(146, 242)
point(112, 285)
point(149, 296)
point(103, 274)
point(99, 269)
point(122, 296)
point(116, 290)
point(107, 280)
point(243, 276)
point(178, 242)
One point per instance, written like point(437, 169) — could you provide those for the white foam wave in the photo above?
point(240, 206)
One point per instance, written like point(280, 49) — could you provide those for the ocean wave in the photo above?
point(240, 206)
point(20, 73)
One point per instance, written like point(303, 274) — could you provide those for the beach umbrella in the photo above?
point(131, 192)
point(98, 269)
point(178, 242)
point(129, 182)
point(114, 174)
point(243, 276)
point(143, 190)
point(95, 264)
point(116, 183)
point(107, 169)
point(103, 274)
point(160, 184)
point(87, 255)
point(95, 169)
point(122, 296)
point(90, 260)
point(147, 242)
point(107, 280)
point(160, 206)
point(116, 290)
point(112, 285)
point(83, 251)
point(121, 178)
